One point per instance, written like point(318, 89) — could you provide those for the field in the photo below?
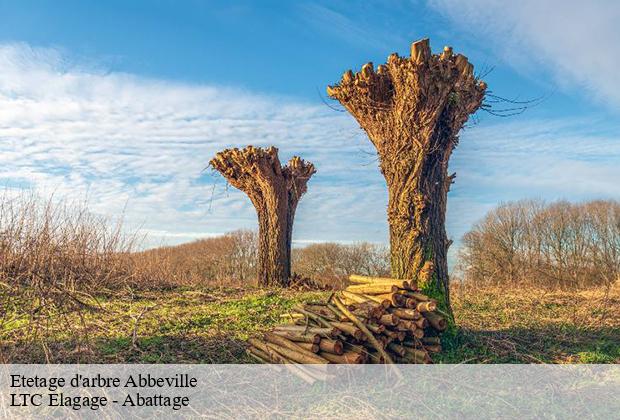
point(195, 325)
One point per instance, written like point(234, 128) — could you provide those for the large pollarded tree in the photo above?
point(275, 191)
point(412, 109)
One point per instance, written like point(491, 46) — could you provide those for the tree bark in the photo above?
point(412, 109)
point(275, 191)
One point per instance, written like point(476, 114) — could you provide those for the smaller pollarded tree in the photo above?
point(275, 191)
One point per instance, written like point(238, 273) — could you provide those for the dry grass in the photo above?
point(530, 325)
point(173, 326)
point(198, 325)
point(57, 261)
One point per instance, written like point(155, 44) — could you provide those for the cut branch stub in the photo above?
point(412, 109)
point(275, 191)
point(411, 94)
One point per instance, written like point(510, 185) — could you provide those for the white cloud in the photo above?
point(140, 146)
point(577, 41)
point(143, 144)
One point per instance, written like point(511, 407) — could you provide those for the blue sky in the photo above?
point(124, 102)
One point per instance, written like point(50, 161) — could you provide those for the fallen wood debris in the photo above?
point(375, 320)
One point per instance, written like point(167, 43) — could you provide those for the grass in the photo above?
point(175, 326)
point(195, 325)
point(500, 325)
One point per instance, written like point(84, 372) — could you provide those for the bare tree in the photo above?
point(275, 191)
point(558, 245)
point(412, 110)
point(332, 263)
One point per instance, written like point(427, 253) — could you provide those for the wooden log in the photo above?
point(371, 289)
point(349, 329)
point(321, 311)
point(317, 318)
point(411, 303)
point(406, 325)
point(293, 351)
point(377, 312)
point(376, 329)
point(331, 346)
point(358, 348)
point(437, 321)
point(398, 300)
point(385, 340)
point(389, 320)
point(339, 315)
point(428, 306)
point(354, 296)
point(421, 323)
point(348, 301)
point(302, 356)
point(398, 349)
point(374, 298)
point(431, 341)
point(381, 299)
point(363, 314)
point(357, 279)
point(418, 333)
point(419, 296)
point(410, 314)
point(274, 356)
point(370, 355)
point(259, 355)
point(299, 336)
point(396, 335)
point(311, 347)
point(349, 357)
point(330, 332)
point(362, 327)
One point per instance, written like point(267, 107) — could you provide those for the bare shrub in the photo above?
point(557, 245)
point(331, 263)
point(230, 259)
point(54, 257)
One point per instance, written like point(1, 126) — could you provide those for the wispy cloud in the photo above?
point(143, 144)
point(578, 42)
point(140, 146)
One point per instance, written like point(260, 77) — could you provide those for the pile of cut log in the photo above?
point(374, 320)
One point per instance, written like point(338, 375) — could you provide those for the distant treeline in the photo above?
point(61, 250)
point(556, 245)
point(230, 259)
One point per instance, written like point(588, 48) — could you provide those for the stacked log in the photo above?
point(374, 320)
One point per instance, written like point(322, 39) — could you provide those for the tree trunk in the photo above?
point(275, 192)
point(412, 110)
point(416, 219)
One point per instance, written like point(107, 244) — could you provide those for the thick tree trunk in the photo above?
point(275, 192)
point(412, 109)
point(416, 218)
point(273, 254)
